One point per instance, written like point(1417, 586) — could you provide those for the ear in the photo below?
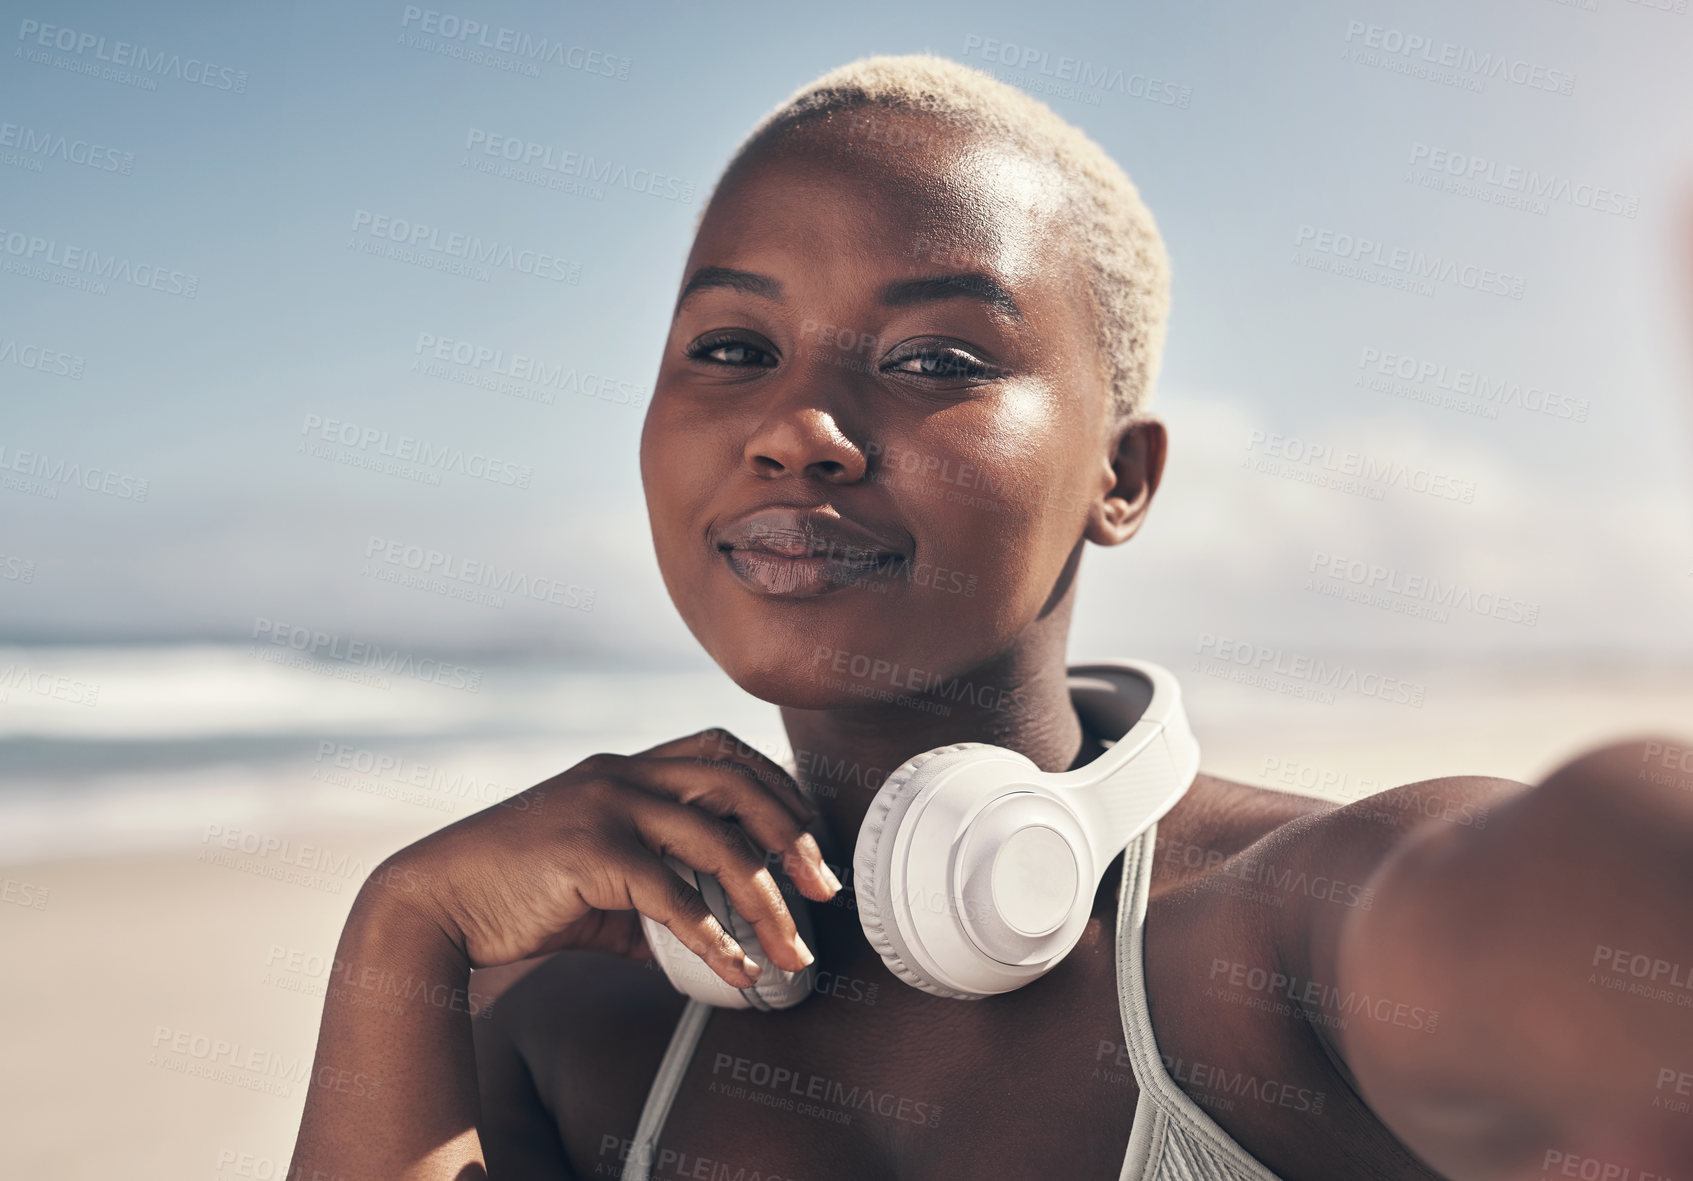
point(1133, 467)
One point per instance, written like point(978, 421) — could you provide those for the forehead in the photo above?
point(901, 192)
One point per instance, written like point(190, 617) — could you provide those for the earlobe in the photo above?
point(1135, 466)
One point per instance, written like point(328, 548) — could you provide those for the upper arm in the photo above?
point(1499, 934)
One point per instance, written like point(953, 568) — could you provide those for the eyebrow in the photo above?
point(748, 282)
point(907, 292)
point(898, 294)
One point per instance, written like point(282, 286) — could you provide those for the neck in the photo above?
point(1019, 700)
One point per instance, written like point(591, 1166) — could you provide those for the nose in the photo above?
point(799, 437)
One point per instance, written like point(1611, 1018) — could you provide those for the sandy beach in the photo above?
point(161, 1006)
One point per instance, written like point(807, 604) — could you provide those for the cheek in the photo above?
point(1004, 499)
point(674, 476)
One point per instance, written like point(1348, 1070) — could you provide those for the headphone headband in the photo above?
point(1149, 765)
point(975, 870)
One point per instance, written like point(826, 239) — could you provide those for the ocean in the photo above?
point(112, 750)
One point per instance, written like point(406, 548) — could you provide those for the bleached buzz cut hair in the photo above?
point(1116, 237)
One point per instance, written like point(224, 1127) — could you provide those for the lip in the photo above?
point(800, 552)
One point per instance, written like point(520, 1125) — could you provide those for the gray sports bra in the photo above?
point(1172, 1138)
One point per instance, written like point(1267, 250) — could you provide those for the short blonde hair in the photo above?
point(1117, 239)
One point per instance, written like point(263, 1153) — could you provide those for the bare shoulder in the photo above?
point(1251, 888)
point(1223, 823)
point(1216, 821)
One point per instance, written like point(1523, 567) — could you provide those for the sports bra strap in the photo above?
point(663, 1093)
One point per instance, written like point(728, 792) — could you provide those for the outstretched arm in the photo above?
point(1556, 943)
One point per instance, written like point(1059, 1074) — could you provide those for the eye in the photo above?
point(942, 363)
point(729, 349)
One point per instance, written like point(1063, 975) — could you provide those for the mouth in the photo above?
point(800, 553)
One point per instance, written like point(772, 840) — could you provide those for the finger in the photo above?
point(803, 863)
point(730, 789)
point(655, 891)
point(724, 790)
point(721, 849)
point(718, 745)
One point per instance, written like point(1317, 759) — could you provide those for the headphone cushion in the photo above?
point(873, 894)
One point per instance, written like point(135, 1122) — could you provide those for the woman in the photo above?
point(906, 379)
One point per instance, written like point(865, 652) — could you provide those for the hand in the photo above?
point(520, 879)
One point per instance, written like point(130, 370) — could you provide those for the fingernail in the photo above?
point(803, 950)
point(828, 875)
point(750, 967)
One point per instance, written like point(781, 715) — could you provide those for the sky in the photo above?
point(276, 191)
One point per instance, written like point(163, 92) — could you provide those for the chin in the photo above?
point(785, 682)
point(784, 672)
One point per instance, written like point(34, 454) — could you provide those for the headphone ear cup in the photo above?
point(876, 913)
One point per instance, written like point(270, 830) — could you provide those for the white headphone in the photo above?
point(975, 870)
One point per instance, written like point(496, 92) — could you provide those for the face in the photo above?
point(880, 425)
